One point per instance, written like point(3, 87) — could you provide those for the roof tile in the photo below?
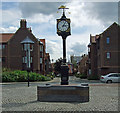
point(5, 37)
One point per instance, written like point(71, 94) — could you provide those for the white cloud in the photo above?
point(77, 49)
point(54, 49)
point(87, 14)
point(45, 8)
point(40, 18)
point(92, 17)
point(10, 29)
point(11, 17)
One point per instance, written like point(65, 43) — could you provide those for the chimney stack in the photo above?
point(30, 29)
point(23, 23)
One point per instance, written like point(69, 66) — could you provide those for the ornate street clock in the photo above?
point(63, 25)
point(63, 30)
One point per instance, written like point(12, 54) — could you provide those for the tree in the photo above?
point(57, 65)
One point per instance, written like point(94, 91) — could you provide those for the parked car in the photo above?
point(110, 78)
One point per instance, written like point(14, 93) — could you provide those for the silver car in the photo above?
point(111, 77)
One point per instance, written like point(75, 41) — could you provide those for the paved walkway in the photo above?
point(19, 97)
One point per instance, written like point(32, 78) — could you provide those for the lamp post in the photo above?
point(27, 42)
point(63, 29)
point(41, 57)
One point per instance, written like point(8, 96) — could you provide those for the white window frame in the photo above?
point(31, 59)
point(108, 55)
point(0, 46)
point(31, 49)
point(25, 47)
point(25, 59)
point(89, 71)
point(41, 48)
point(40, 60)
point(3, 46)
point(88, 49)
point(108, 40)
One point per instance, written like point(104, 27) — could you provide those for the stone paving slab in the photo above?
point(19, 97)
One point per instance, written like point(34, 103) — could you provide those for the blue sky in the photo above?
point(86, 18)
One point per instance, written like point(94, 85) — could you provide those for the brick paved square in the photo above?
point(19, 97)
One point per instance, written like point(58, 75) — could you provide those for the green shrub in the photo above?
point(43, 77)
point(5, 69)
point(47, 78)
point(93, 77)
point(51, 75)
point(77, 75)
point(22, 76)
point(32, 76)
point(82, 76)
point(6, 77)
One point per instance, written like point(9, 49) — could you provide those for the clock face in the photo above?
point(63, 25)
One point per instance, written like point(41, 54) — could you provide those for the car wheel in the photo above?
point(109, 81)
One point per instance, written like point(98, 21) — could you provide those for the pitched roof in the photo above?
point(114, 24)
point(47, 56)
point(43, 41)
point(27, 40)
point(92, 38)
point(4, 37)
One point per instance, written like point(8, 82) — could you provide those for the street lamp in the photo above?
point(27, 42)
point(41, 57)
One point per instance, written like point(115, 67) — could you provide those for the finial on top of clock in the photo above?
point(63, 7)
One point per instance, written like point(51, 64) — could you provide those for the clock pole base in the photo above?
point(63, 93)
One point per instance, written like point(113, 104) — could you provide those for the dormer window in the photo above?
point(27, 44)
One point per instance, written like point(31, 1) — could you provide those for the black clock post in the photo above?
point(62, 92)
point(63, 29)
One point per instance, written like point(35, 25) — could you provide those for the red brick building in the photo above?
point(14, 52)
point(82, 66)
point(104, 52)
